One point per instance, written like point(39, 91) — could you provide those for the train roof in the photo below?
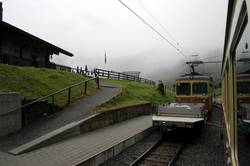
point(194, 77)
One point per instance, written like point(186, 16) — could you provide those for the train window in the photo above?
point(183, 89)
point(200, 88)
point(243, 87)
point(242, 61)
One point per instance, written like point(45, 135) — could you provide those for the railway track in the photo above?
point(163, 153)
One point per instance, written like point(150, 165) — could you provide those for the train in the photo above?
point(236, 83)
point(195, 89)
point(235, 89)
point(194, 99)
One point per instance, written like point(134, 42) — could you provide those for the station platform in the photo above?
point(87, 149)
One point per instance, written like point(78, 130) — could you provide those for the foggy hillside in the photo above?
point(156, 65)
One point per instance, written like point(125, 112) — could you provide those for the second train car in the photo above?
point(194, 99)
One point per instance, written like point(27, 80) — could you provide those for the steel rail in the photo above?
point(145, 153)
point(173, 160)
point(148, 152)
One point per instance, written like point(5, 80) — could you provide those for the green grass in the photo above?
point(135, 93)
point(33, 82)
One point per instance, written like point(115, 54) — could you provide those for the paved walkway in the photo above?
point(80, 148)
point(76, 111)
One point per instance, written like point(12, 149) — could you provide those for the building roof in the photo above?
point(53, 49)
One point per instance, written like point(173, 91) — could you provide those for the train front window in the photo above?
point(183, 88)
point(243, 87)
point(200, 88)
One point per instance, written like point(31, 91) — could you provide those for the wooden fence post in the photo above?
point(98, 82)
point(69, 96)
point(85, 87)
point(53, 103)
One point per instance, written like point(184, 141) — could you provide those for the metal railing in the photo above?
point(52, 95)
point(121, 76)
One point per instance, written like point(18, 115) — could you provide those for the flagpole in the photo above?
point(105, 59)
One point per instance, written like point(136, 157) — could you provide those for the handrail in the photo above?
point(59, 91)
point(52, 94)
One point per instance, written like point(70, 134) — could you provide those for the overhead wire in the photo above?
point(160, 24)
point(150, 26)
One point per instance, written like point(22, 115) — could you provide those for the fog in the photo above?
point(89, 27)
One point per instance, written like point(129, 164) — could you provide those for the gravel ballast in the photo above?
point(206, 147)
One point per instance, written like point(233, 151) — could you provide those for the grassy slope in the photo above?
point(37, 82)
point(135, 93)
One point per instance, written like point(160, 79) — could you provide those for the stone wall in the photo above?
point(10, 120)
point(115, 116)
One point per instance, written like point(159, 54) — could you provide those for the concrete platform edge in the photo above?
point(108, 153)
point(60, 134)
point(91, 123)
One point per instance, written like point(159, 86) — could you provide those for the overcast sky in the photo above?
point(88, 27)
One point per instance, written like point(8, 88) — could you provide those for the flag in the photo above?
point(105, 58)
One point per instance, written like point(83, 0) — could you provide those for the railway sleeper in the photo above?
point(151, 160)
point(170, 148)
point(162, 154)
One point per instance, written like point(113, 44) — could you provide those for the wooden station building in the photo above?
point(18, 47)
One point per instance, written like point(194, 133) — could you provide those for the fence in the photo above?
point(121, 76)
point(79, 70)
point(105, 73)
point(35, 108)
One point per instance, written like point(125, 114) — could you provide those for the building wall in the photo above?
point(18, 50)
